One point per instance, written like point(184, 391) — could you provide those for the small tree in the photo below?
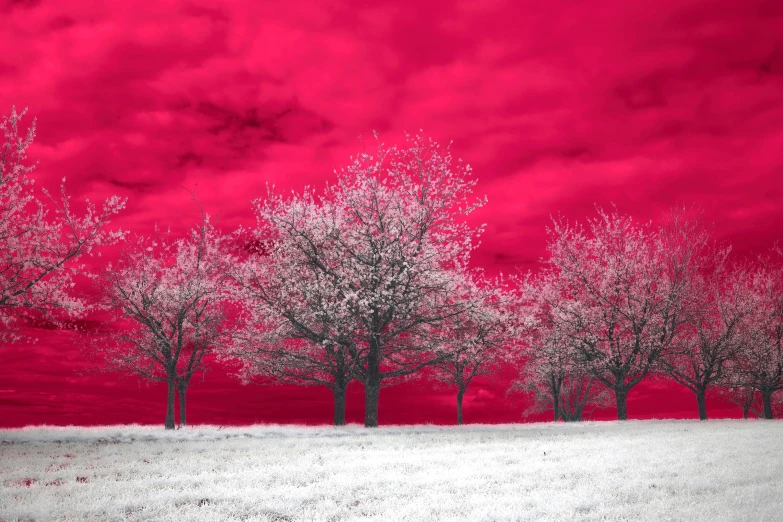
point(743, 396)
point(552, 374)
point(759, 362)
point(721, 301)
point(478, 342)
point(36, 249)
point(170, 300)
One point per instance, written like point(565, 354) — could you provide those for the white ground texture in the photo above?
point(634, 470)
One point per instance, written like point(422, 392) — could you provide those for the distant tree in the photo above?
point(717, 302)
point(624, 285)
point(478, 342)
point(36, 249)
point(387, 247)
point(743, 396)
point(552, 373)
point(170, 300)
point(759, 363)
point(712, 335)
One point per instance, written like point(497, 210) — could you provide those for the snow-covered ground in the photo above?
point(637, 470)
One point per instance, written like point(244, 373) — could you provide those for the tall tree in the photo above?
point(625, 287)
point(387, 247)
point(170, 300)
point(37, 250)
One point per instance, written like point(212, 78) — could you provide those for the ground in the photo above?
point(634, 470)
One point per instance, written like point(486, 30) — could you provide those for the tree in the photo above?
point(295, 331)
point(717, 301)
point(743, 396)
point(374, 263)
point(170, 300)
point(624, 285)
point(553, 375)
point(759, 363)
point(37, 250)
point(476, 343)
point(721, 302)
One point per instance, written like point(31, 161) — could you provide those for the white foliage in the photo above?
point(37, 251)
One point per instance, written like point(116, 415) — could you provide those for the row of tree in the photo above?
point(618, 301)
point(370, 280)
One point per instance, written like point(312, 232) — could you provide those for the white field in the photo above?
point(636, 470)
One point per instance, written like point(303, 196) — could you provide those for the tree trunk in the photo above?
point(621, 397)
point(372, 390)
point(182, 405)
point(372, 385)
point(702, 403)
point(766, 397)
point(339, 392)
point(460, 394)
point(170, 405)
point(745, 408)
point(555, 397)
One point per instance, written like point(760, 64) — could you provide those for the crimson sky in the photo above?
point(557, 105)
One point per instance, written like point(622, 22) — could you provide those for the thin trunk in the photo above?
point(170, 405)
point(621, 397)
point(339, 392)
point(766, 397)
point(748, 402)
point(460, 394)
point(182, 405)
point(702, 403)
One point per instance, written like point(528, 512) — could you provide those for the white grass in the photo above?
point(637, 470)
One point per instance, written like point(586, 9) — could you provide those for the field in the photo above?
point(636, 470)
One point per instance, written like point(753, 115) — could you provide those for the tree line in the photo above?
point(370, 280)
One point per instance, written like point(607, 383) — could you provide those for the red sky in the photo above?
point(557, 106)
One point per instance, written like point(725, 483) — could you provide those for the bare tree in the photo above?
point(384, 249)
point(36, 249)
point(169, 298)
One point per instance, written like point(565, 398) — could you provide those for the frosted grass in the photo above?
point(636, 470)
